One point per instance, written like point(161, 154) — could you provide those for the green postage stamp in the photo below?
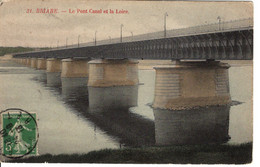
point(19, 133)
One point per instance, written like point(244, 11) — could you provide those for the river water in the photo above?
point(80, 119)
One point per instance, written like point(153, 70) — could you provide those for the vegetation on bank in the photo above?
point(193, 154)
point(8, 50)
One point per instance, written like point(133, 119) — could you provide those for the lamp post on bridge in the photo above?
point(121, 36)
point(165, 15)
point(78, 40)
point(95, 38)
point(132, 36)
point(219, 21)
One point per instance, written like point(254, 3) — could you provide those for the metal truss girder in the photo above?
point(222, 45)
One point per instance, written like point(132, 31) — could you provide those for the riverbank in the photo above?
point(195, 154)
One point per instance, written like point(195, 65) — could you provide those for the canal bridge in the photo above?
point(227, 41)
point(196, 77)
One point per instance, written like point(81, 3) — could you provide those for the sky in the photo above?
point(19, 28)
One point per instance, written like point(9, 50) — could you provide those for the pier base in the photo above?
point(33, 62)
point(196, 126)
point(191, 84)
point(41, 64)
point(191, 103)
point(107, 73)
point(112, 98)
point(53, 71)
point(74, 72)
point(42, 77)
point(17, 60)
point(28, 62)
point(24, 61)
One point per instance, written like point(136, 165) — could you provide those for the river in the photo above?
point(83, 119)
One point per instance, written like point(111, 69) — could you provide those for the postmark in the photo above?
point(19, 133)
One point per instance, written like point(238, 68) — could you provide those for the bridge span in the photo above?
point(225, 41)
point(228, 45)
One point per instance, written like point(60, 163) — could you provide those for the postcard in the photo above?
point(128, 82)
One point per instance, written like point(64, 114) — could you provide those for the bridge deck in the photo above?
point(226, 45)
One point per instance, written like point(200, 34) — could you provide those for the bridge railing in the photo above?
point(230, 41)
point(214, 27)
point(226, 45)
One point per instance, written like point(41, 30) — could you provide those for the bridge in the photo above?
point(226, 41)
point(183, 85)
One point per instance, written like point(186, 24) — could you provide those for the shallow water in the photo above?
point(79, 119)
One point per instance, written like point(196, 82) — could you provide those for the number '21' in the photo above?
point(29, 11)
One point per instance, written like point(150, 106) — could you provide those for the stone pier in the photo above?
point(41, 67)
point(24, 61)
point(20, 60)
point(28, 62)
point(53, 71)
point(191, 103)
point(74, 72)
point(112, 84)
point(191, 84)
point(17, 60)
point(41, 64)
point(33, 62)
point(110, 72)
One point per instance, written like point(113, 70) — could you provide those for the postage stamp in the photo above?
point(19, 133)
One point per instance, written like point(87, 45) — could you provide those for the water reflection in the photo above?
point(110, 98)
point(108, 109)
point(75, 95)
point(42, 76)
point(196, 126)
point(53, 79)
point(74, 82)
